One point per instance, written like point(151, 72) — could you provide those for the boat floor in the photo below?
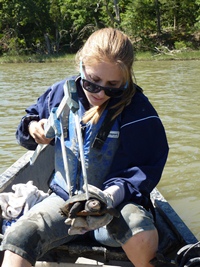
point(83, 262)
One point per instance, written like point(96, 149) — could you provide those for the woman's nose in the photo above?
point(101, 93)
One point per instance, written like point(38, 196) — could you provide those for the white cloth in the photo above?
point(18, 203)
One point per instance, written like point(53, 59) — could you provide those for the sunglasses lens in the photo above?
point(112, 92)
point(94, 88)
point(90, 87)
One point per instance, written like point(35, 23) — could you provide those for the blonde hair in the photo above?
point(113, 46)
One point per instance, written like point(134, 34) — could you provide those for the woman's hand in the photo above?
point(36, 130)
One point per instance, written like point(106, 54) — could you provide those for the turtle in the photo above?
point(95, 205)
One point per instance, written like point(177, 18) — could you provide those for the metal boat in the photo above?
point(173, 232)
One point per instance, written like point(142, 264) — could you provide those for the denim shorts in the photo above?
point(42, 228)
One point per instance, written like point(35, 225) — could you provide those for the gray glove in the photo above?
point(85, 215)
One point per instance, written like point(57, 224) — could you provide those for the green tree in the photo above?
point(179, 14)
point(140, 20)
point(82, 17)
point(52, 26)
point(74, 21)
point(29, 19)
point(197, 24)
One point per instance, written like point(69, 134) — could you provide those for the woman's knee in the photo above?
point(134, 219)
point(22, 232)
point(23, 240)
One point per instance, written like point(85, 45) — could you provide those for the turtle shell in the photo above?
point(78, 206)
point(78, 202)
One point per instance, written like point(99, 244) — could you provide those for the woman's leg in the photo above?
point(39, 230)
point(134, 231)
point(141, 248)
point(12, 259)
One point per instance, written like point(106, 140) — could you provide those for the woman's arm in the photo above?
point(35, 113)
point(142, 154)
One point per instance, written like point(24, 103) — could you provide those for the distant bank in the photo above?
point(158, 54)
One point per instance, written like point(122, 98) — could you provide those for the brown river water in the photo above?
point(173, 87)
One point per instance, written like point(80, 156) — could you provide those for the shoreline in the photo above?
point(139, 56)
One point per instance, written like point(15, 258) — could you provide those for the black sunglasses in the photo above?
point(109, 91)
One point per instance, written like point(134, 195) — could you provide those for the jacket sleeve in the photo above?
point(51, 98)
point(142, 153)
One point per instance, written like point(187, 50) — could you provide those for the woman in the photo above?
point(127, 164)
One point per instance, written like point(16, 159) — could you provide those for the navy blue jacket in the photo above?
point(142, 153)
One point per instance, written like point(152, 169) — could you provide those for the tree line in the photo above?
point(62, 26)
